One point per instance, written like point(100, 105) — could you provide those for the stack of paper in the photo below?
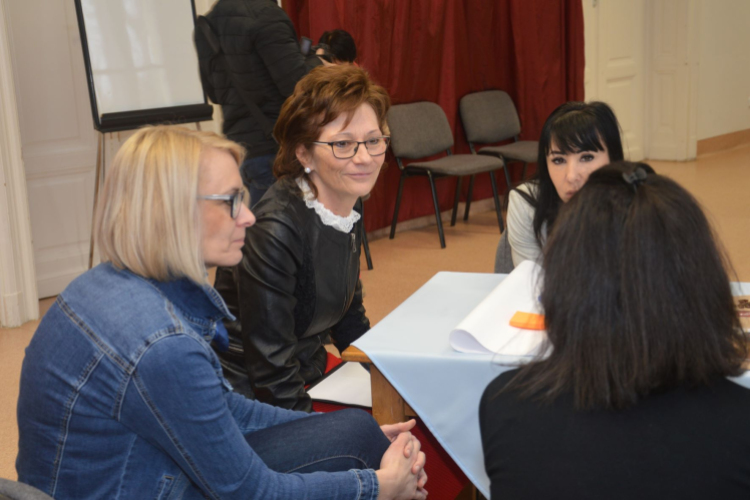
point(347, 384)
point(487, 328)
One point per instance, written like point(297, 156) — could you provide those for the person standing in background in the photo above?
point(257, 68)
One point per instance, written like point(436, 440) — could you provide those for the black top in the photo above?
point(682, 444)
point(298, 282)
point(262, 51)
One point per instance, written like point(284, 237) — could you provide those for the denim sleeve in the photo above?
point(253, 415)
point(175, 401)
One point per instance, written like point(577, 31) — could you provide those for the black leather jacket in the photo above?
point(298, 283)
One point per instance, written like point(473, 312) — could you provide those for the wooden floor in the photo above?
point(721, 182)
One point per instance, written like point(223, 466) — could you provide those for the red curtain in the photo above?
point(441, 50)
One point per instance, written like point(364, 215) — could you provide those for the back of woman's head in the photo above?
point(341, 45)
point(636, 296)
point(147, 214)
point(572, 127)
point(318, 99)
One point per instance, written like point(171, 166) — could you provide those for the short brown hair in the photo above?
point(318, 99)
point(147, 212)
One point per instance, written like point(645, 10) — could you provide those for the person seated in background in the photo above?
point(633, 400)
point(576, 139)
point(340, 46)
point(298, 283)
point(121, 395)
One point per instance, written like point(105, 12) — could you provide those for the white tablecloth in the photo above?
point(410, 347)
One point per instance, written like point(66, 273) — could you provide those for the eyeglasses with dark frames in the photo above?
point(233, 200)
point(343, 150)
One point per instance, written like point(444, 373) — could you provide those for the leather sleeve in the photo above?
point(354, 323)
point(273, 253)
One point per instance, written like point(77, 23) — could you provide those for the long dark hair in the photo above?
point(636, 295)
point(575, 127)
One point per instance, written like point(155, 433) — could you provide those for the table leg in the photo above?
point(387, 404)
point(388, 407)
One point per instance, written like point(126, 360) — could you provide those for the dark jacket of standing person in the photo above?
point(292, 300)
point(263, 54)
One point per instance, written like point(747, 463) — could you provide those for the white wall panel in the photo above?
point(57, 135)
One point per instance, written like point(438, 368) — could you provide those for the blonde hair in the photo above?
point(147, 214)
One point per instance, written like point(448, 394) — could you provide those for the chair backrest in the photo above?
point(19, 491)
point(419, 129)
point(489, 116)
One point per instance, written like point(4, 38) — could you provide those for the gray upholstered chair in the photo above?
point(504, 255)
point(13, 490)
point(489, 117)
point(419, 130)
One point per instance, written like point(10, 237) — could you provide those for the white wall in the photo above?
point(724, 71)
point(58, 140)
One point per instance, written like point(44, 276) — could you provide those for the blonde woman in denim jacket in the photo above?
point(121, 394)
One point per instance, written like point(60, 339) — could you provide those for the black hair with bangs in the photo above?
point(574, 127)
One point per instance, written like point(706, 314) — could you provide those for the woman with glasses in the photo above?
point(122, 396)
point(298, 283)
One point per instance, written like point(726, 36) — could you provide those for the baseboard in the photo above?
point(429, 220)
point(723, 142)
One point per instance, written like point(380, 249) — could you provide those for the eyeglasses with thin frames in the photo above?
point(233, 200)
point(344, 150)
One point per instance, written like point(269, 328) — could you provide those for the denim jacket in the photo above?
point(122, 397)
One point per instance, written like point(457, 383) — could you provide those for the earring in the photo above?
point(308, 170)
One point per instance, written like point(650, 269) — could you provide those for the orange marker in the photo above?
point(527, 321)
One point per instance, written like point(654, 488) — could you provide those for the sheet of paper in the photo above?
point(487, 328)
point(348, 385)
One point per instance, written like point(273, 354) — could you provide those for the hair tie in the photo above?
point(635, 178)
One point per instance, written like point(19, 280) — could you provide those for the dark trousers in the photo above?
point(257, 174)
point(327, 442)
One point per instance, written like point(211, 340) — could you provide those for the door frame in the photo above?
point(19, 301)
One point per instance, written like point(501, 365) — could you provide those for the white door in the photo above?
point(642, 59)
point(57, 135)
point(615, 69)
point(673, 81)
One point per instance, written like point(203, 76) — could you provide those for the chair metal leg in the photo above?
point(398, 205)
point(523, 172)
point(507, 177)
point(437, 209)
point(365, 243)
point(497, 202)
point(468, 197)
point(455, 201)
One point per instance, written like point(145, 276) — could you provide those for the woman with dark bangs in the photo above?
point(633, 400)
point(576, 139)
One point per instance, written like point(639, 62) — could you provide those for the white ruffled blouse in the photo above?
point(339, 223)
